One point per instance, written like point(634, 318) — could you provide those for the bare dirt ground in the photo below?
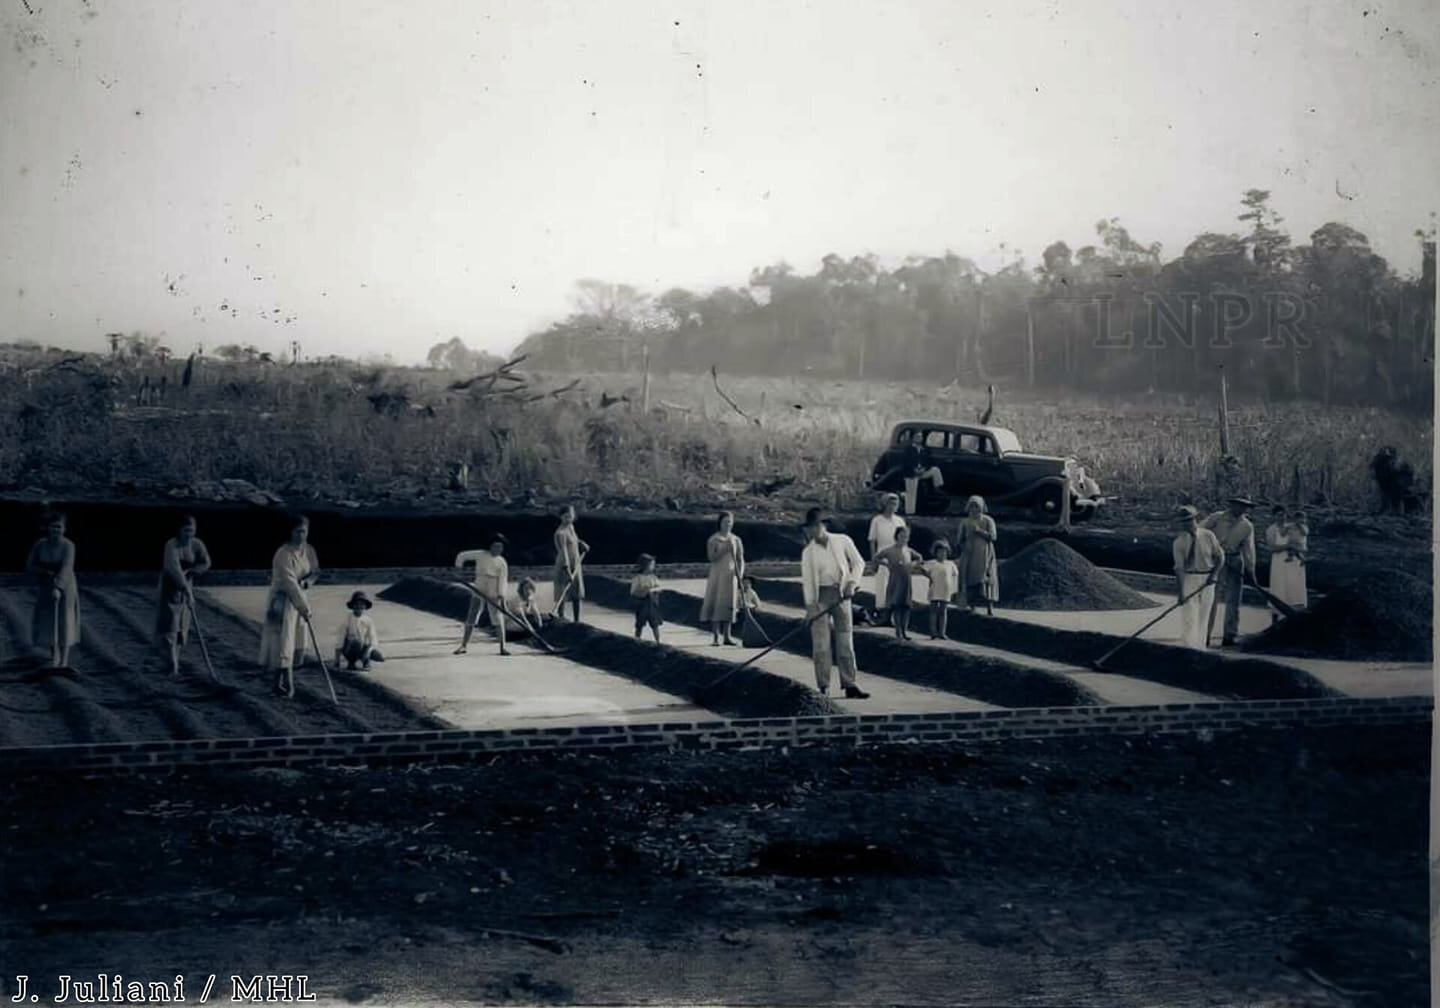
point(1260, 869)
point(121, 688)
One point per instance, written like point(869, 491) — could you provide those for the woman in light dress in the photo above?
point(569, 577)
point(902, 562)
point(1288, 540)
point(184, 557)
point(726, 554)
point(55, 622)
point(979, 572)
point(882, 536)
point(293, 570)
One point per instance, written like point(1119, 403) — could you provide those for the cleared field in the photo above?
point(120, 689)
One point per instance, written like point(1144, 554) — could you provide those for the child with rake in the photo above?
point(492, 575)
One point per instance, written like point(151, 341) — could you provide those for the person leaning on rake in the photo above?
point(293, 570)
point(492, 577)
point(830, 570)
point(1198, 562)
point(55, 622)
point(185, 556)
point(1237, 538)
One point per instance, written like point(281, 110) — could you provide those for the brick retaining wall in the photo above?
point(377, 748)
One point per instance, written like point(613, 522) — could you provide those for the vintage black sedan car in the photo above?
point(934, 463)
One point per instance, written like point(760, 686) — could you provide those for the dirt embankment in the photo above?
point(708, 682)
point(1256, 868)
point(989, 680)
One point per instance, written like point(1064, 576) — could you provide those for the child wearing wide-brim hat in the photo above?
point(359, 643)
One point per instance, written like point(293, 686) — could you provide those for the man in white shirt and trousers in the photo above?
point(830, 570)
point(1198, 561)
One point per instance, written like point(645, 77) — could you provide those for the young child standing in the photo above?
point(900, 561)
point(944, 583)
point(645, 594)
point(492, 576)
point(358, 643)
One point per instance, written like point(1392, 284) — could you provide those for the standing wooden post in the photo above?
point(1030, 342)
point(1224, 415)
point(645, 383)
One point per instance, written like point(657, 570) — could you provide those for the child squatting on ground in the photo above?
point(358, 642)
point(492, 576)
point(645, 594)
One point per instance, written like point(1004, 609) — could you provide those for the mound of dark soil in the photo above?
point(1387, 618)
point(1050, 575)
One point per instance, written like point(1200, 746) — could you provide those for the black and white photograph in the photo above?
point(718, 502)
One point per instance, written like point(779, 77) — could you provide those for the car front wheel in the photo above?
point(1045, 505)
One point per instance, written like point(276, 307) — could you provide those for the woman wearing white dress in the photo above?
point(882, 537)
point(726, 554)
point(293, 570)
point(1288, 541)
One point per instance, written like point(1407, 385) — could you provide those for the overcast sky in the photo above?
point(381, 176)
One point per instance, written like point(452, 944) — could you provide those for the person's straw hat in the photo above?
point(360, 599)
point(1242, 500)
point(1185, 512)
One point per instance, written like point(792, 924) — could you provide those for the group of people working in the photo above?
point(55, 620)
point(1220, 551)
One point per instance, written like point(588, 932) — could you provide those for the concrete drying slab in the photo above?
point(887, 696)
point(1353, 678)
point(480, 689)
point(1110, 688)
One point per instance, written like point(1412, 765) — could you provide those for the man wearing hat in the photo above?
point(492, 578)
point(830, 571)
point(1198, 562)
point(358, 643)
point(1237, 538)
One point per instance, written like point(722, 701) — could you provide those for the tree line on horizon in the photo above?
point(1328, 320)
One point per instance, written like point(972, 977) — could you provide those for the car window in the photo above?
point(976, 444)
point(937, 439)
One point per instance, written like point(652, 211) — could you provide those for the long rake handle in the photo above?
point(1286, 609)
point(574, 576)
point(507, 614)
point(55, 624)
point(200, 636)
point(1176, 605)
point(315, 642)
point(804, 625)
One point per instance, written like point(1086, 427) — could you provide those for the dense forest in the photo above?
point(1328, 320)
